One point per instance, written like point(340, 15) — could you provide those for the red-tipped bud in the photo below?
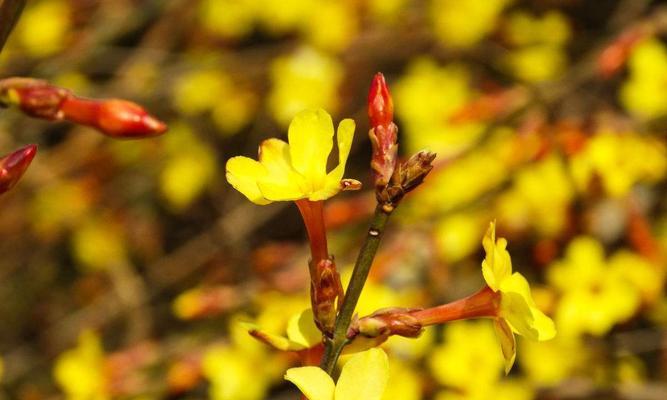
point(114, 117)
point(380, 104)
point(13, 165)
point(383, 133)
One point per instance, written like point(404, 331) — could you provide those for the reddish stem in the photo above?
point(484, 303)
point(313, 217)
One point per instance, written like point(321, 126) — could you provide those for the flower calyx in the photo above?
point(387, 322)
point(406, 178)
point(326, 291)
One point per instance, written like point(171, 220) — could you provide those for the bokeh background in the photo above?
point(126, 265)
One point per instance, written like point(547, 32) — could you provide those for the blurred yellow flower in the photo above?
point(331, 25)
point(189, 168)
point(306, 79)
point(406, 381)
point(234, 375)
point(522, 28)
point(550, 363)
point(537, 63)
point(426, 97)
point(296, 170)
point(465, 179)
point(80, 371)
point(643, 93)
point(60, 205)
point(468, 357)
point(539, 198)
point(197, 91)
point(43, 27)
point(462, 24)
point(501, 390)
point(228, 18)
point(540, 53)
point(99, 244)
point(518, 312)
point(280, 16)
point(364, 376)
point(201, 91)
point(457, 236)
point(620, 160)
point(597, 294)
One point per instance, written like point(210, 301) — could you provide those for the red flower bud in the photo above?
point(383, 133)
point(113, 117)
point(380, 104)
point(13, 165)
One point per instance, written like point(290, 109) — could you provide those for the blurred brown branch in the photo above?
point(10, 10)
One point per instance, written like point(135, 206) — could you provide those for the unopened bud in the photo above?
point(406, 178)
point(113, 117)
point(380, 104)
point(13, 165)
point(412, 172)
point(383, 133)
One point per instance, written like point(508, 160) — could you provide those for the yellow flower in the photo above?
point(80, 371)
point(364, 376)
point(518, 312)
point(296, 170)
point(304, 79)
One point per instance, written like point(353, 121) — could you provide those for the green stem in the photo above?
point(334, 346)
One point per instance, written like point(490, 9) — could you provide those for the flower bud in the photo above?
point(380, 104)
point(13, 165)
point(383, 133)
point(412, 172)
point(113, 117)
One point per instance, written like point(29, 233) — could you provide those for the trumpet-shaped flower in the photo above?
point(298, 169)
point(517, 312)
point(364, 376)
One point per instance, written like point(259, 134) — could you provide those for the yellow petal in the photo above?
point(281, 182)
point(364, 376)
point(274, 155)
point(311, 140)
point(332, 185)
point(507, 342)
point(497, 265)
point(518, 308)
point(301, 329)
point(313, 382)
point(243, 174)
point(275, 341)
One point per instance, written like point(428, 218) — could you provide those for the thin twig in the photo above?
point(334, 346)
point(10, 10)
